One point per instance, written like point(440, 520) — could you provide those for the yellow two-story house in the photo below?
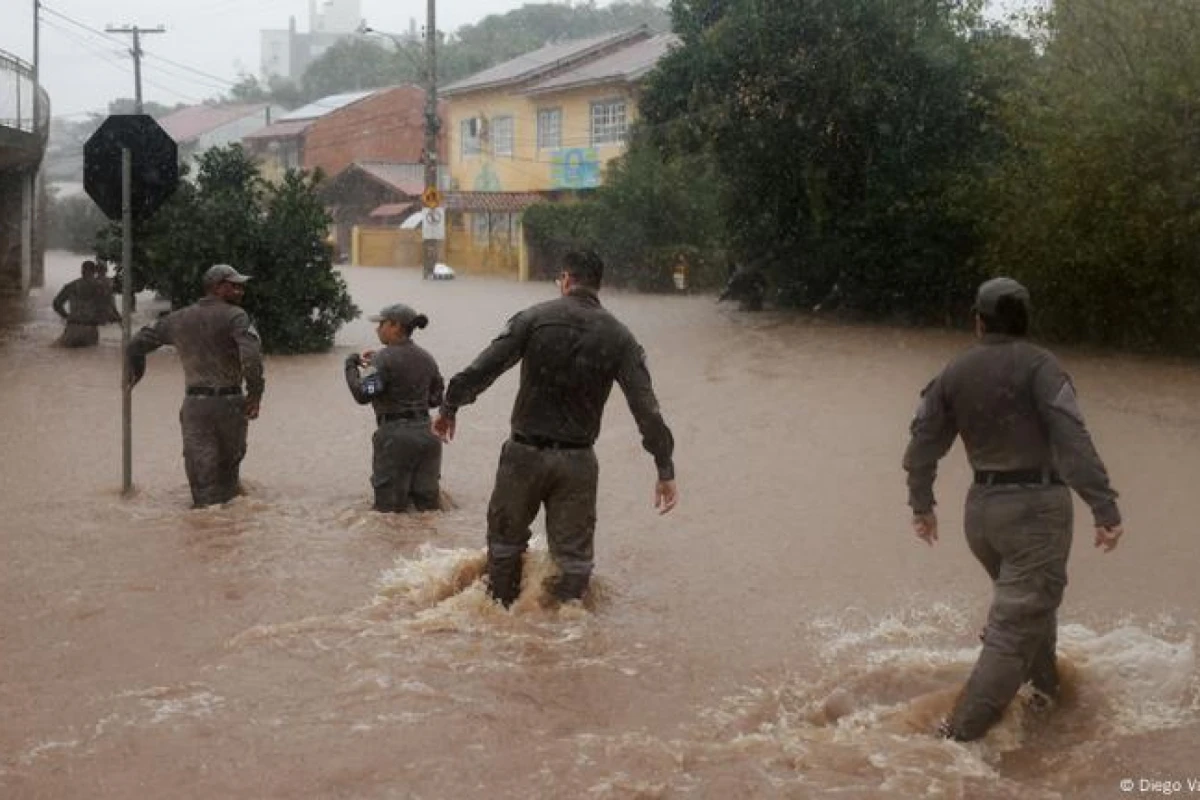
point(536, 128)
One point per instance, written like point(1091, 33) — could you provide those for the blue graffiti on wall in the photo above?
point(575, 168)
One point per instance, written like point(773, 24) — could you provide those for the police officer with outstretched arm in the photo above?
point(218, 348)
point(1026, 440)
point(571, 351)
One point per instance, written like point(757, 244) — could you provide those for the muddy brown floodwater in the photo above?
point(781, 634)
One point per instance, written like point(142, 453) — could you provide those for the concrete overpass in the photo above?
point(24, 126)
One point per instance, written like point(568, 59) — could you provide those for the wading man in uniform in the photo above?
point(571, 351)
point(218, 348)
point(1025, 438)
point(406, 461)
point(85, 303)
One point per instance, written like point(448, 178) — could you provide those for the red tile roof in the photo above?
point(193, 122)
point(281, 130)
point(491, 202)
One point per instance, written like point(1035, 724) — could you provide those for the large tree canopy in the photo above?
point(1095, 205)
point(839, 128)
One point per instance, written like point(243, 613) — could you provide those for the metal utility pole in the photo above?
point(432, 125)
point(127, 261)
point(136, 52)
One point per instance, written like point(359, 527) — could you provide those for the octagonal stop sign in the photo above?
point(155, 164)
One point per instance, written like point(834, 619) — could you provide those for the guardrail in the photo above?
point(17, 94)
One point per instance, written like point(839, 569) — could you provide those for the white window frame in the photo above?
point(544, 141)
point(504, 146)
point(469, 146)
point(609, 121)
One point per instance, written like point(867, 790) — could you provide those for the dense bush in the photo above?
point(274, 233)
point(651, 212)
point(1095, 206)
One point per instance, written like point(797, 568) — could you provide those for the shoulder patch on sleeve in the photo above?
point(925, 405)
point(1066, 401)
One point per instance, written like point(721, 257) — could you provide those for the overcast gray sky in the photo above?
point(82, 71)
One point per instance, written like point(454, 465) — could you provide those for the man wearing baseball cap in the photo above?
point(219, 349)
point(1026, 440)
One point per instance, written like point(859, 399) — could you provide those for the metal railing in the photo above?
point(16, 97)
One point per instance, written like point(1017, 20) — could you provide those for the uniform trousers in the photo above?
point(214, 443)
point(1021, 534)
point(406, 466)
point(564, 481)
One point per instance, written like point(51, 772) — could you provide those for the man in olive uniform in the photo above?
point(85, 303)
point(1026, 440)
point(571, 351)
point(218, 348)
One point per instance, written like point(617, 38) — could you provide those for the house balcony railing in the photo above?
point(17, 93)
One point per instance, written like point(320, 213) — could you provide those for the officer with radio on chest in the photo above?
point(401, 381)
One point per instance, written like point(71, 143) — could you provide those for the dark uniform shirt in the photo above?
point(86, 301)
point(217, 345)
point(571, 350)
point(411, 380)
point(1015, 408)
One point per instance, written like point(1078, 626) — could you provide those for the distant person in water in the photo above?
point(85, 304)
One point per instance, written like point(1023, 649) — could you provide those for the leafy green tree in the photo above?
point(358, 63)
point(839, 129)
point(651, 212)
point(1095, 206)
point(274, 233)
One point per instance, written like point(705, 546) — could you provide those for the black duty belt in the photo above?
point(213, 391)
point(543, 443)
point(1017, 476)
point(393, 416)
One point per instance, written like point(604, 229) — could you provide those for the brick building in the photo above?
point(386, 126)
point(330, 134)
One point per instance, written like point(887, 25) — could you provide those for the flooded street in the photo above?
point(780, 634)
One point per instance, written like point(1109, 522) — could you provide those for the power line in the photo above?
point(223, 83)
point(94, 31)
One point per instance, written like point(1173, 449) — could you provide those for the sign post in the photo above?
point(126, 318)
point(130, 167)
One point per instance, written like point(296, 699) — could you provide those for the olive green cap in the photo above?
point(398, 313)
point(990, 293)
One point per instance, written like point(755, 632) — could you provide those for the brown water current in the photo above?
point(780, 635)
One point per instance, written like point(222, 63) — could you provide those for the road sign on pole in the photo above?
point(155, 164)
point(433, 226)
point(130, 167)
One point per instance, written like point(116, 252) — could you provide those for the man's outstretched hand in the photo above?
point(666, 496)
point(443, 428)
point(925, 527)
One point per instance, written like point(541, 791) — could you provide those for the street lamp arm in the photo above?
point(401, 44)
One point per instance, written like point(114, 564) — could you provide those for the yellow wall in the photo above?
point(500, 252)
point(529, 169)
point(385, 247)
